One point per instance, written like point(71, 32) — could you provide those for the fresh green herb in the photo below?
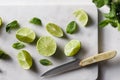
point(113, 17)
point(45, 62)
point(3, 55)
point(71, 27)
point(36, 21)
point(18, 45)
point(12, 25)
point(101, 3)
point(0, 21)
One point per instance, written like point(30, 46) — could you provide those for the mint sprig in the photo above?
point(12, 25)
point(113, 17)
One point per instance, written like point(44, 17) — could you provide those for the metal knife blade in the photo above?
point(63, 68)
point(76, 64)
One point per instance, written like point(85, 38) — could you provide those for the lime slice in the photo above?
point(25, 35)
point(82, 17)
point(72, 47)
point(54, 30)
point(0, 21)
point(46, 46)
point(25, 59)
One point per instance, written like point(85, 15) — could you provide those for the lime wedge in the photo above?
point(25, 59)
point(46, 46)
point(72, 47)
point(54, 30)
point(0, 21)
point(25, 35)
point(81, 16)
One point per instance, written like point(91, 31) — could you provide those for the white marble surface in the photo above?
point(35, 2)
point(108, 37)
point(61, 15)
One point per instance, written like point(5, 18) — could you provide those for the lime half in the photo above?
point(0, 21)
point(72, 47)
point(25, 59)
point(54, 30)
point(81, 16)
point(46, 46)
point(25, 35)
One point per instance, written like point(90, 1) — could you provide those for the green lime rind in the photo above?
point(46, 46)
point(24, 59)
point(72, 47)
point(25, 35)
point(81, 16)
point(54, 30)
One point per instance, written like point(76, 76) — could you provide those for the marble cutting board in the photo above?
point(61, 15)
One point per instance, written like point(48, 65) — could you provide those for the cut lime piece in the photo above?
point(25, 59)
point(0, 21)
point(46, 46)
point(54, 30)
point(81, 16)
point(72, 47)
point(25, 35)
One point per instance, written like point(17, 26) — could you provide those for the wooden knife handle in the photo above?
point(97, 58)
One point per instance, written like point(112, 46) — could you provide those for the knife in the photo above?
point(77, 63)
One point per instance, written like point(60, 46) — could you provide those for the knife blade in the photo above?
point(77, 63)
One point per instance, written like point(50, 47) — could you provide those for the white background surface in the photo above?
point(61, 15)
point(108, 37)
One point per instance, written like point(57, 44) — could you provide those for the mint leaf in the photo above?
point(107, 2)
point(45, 62)
point(99, 3)
point(18, 45)
point(12, 25)
point(104, 23)
point(118, 26)
point(113, 17)
point(114, 23)
point(36, 21)
point(3, 55)
point(112, 12)
point(71, 27)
